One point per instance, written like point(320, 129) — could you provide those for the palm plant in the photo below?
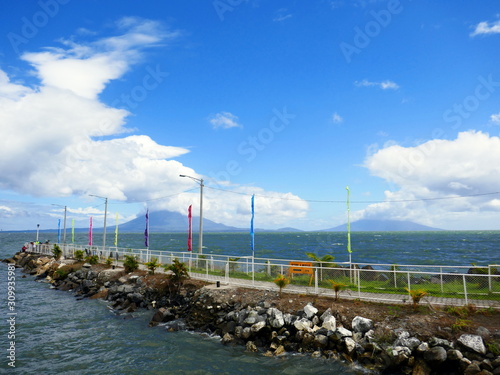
point(337, 288)
point(152, 265)
point(416, 295)
point(178, 273)
point(281, 281)
point(79, 255)
point(325, 261)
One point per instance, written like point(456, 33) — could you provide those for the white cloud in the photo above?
point(495, 118)
point(282, 15)
point(231, 205)
point(466, 166)
point(337, 119)
point(485, 28)
point(384, 85)
point(225, 120)
point(59, 140)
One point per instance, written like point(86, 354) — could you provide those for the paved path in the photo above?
point(347, 294)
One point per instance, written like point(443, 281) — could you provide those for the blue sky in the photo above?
point(290, 101)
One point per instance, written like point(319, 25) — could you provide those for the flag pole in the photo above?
point(252, 237)
point(146, 235)
point(349, 225)
point(116, 231)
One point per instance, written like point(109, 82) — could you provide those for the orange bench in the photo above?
point(303, 268)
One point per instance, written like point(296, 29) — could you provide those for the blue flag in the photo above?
point(251, 225)
point(146, 232)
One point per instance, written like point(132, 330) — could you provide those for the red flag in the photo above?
point(190, 229)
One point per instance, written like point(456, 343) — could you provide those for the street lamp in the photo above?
point(105, 215)
point(65, 211)
point(37, 230)
point(200, 181)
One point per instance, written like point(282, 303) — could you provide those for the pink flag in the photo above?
point(90, 232)
point(190, 229)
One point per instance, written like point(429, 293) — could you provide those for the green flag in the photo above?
point(348, 221)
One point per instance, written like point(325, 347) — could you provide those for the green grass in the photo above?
point(450, 289)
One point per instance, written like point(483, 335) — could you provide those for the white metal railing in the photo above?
point(366, 280)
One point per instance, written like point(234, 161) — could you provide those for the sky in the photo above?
point(292, 101)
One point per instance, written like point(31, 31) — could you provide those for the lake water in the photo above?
point(55, 334)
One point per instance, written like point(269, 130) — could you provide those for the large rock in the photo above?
point(303, 324)
point(472, 342)
point(275, 318)
point(360, 324)
point(310, 310)
point(330, 323)
point(435, 356)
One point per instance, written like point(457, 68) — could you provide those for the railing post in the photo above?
point(359, 283)
point(316, 281)
point(490, 289)
point(465, 290)
point(441, 278)
point(409, 287)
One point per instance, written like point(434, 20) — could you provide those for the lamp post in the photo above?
point(105, 215)
point(200, 181)
point(37, 231)
point(65, 211)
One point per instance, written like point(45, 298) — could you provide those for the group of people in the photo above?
point(31, 246)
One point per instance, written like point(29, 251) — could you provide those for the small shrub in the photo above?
point(92, 259)
point(152, 265)
point(416, 295)
point(493, 347)
point(281, 281)
point(460, 325)
point(337, 288)
point(56, 251)
point(178, 274)
point(109, 262)
point(233, 264)
point(130, 263)
point(79, 255)
point(61, 273)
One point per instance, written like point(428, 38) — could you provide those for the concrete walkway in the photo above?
point(347, 294)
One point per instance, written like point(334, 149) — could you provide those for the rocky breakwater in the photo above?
point(263, 327)
point(252, 319)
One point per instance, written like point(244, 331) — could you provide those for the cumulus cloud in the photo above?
point(462, 171)
point(486, 28)
point(59, 139)
point(231, 205)
point(225, 120)
point(384, 85)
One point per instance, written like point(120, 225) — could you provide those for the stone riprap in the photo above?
point(261, 327)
